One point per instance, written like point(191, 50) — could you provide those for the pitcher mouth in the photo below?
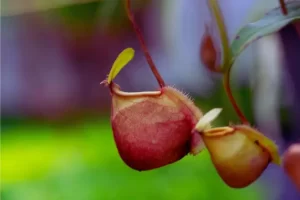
point(219, 131)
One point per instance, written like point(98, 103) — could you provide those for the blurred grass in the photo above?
point(80, 161)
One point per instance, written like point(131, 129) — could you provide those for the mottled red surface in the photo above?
point(149, 135)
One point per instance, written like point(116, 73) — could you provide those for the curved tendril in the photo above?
point(216, 11)
point(143, 45)
point(226, 82)
point(227, 61)
point(283, 7)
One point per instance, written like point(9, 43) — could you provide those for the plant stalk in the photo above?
point(283, 7)
point(226, 83)
point(216, 11)
point(144, 46)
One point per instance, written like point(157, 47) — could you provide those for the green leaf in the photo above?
point(123, 59)
point(272, 22)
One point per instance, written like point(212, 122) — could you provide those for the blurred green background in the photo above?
point(80, 161)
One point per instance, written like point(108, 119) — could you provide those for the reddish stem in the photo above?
point(231, 97)
point(144, 46)
point(283, 7)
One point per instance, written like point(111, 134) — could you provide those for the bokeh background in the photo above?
point(56, 139)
